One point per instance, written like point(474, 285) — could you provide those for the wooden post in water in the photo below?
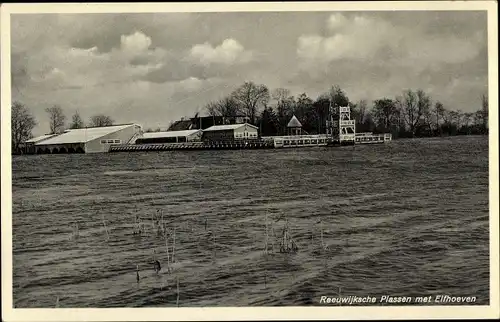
point(173, 248)
point(267, 236)
point(273, 235)
point(168, 255)
point(215, 247)
point(178, 293)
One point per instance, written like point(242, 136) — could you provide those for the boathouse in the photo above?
point(294, 126)
point(88, 140)
point(30, 144)
point(230, 132)
point(170, 137)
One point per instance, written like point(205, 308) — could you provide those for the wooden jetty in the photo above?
point(235, 145)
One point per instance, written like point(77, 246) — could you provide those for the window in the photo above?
point(314, 141)
point(118, 141)
point(286, 142)
point(111, 141)
point(307, 142)
point(321, 141)
point(103, 141)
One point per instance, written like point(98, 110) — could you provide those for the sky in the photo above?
point(153, 69)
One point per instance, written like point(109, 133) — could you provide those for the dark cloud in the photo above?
point(140, 67)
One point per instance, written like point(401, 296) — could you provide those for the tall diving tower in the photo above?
point(340, 129)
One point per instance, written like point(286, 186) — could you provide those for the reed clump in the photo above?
point(287, 243)
point(105, 227)
point(138, 225)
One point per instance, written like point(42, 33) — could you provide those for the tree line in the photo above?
point(410, 114)
point(23, 122)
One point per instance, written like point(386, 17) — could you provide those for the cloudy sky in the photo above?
point(156, 68)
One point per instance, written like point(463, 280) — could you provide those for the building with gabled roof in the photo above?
point(231, 132)
point(170, 137)
point(29, 146)
point(89, 140)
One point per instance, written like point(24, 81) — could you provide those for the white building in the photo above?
point(231, 132)
point(170, 137)
point(88, 140)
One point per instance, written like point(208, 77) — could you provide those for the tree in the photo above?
point(100, 120)
point(321, 108)
point(361, 111)
point(285, 105)
point(304, 111)
point(424, 111)
point(466, 117)
point(484, 113)
point(280, 95)
point(57, 119)
point(227, 107)
point(384, 111)
point(76, 121)
point(338, 97)
point(413, 106)
point(439, 111)
point(22, 124)
point(268, 122)
point(250, 97)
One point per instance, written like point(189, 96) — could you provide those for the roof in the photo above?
point(228, 127)
point(294, 122)
point(181, 125)
point(40, 138)
point(168, 134)
point(84, 135)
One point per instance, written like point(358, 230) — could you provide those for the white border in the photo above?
point(268, 313)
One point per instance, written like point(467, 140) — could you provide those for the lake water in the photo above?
point(408, 218)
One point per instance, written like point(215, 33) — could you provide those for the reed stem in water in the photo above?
point(105, 227)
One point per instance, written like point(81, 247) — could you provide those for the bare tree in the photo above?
point(76, 121)
point(22, 124)
point(413, 107)
point(424, 110)
point(57, 119)
point(337, 96)
point(439, 111)
point(251, 97)
point(100, 120)
point(285, 105)
point(225, 107)
point(384, 111)
point(280, 95)
point(466, 118)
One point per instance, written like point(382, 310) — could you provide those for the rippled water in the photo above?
point(409, 218)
